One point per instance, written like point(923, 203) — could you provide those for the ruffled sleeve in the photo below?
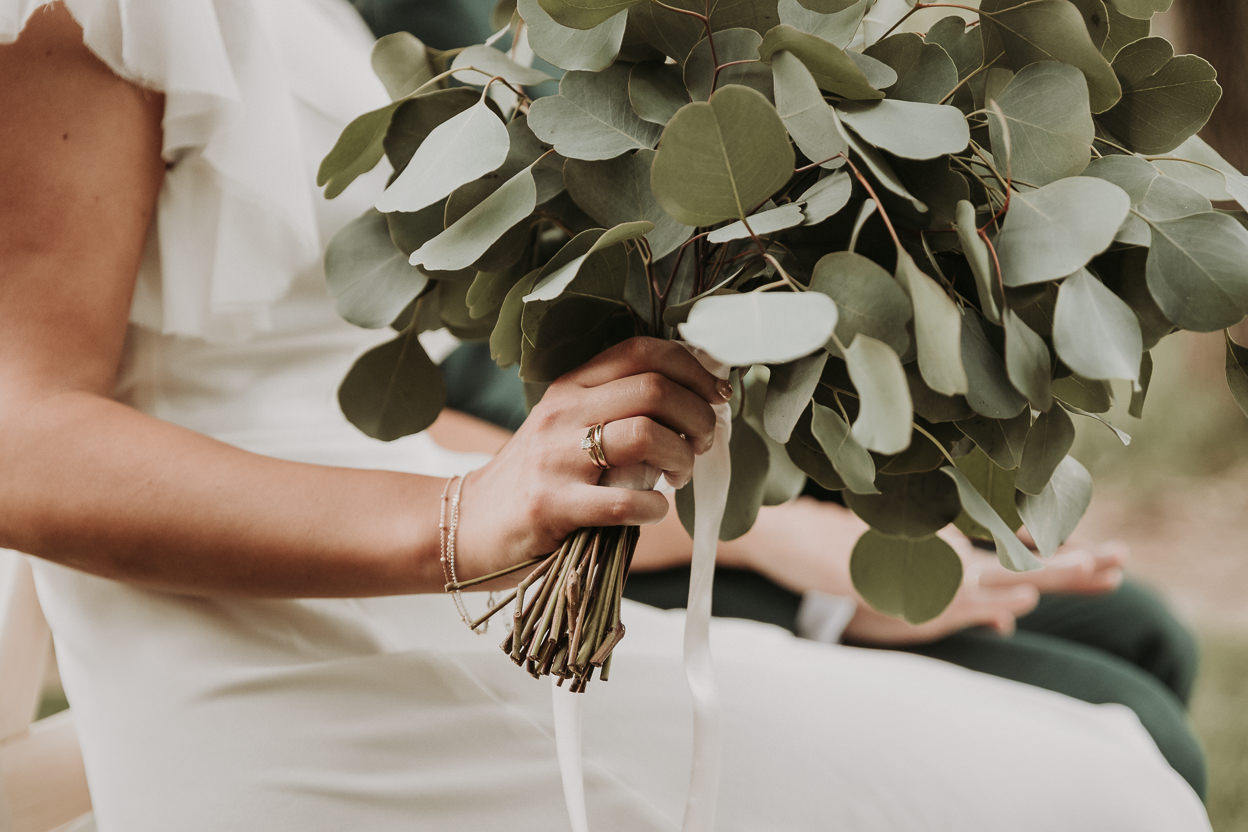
point(238, 217)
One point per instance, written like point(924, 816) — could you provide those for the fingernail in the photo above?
point(725, 390)
point(705, 443)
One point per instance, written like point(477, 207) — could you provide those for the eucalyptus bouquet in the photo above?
point(923, 253)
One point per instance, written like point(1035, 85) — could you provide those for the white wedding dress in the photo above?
point(200, 715)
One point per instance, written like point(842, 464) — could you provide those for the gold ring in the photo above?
point(592, 444)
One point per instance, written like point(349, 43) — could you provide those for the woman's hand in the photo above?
point(654, 401)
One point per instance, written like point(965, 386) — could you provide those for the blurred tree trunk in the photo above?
point(1217, 30)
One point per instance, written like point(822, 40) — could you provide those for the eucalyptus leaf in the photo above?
point(1237, 373)
point(746, 485)
point(1051, 515)
point(847, 455)
point(1141, 9)
point(1094, 332)
point(1047, 444)
point(393, 390)
point(401, 61)
point(552, 283)
point(705, 70)
point(674, 34)
point(826, 197)
point(909, 129)
point(868, 300)
point(913, 505)
point(807, 117)
point(925, 71)
point(1003, 440)
point(833, 69)
point(456, 152)
point(568, 48)
point(760, 327)
point(657, 91)
point(963, 44)
point(789, 391)
point(591, 117)
point(1027, 362)
point(721, 158)
point(1083, 394)
point(358, 150)
point(617, 191)
point(884, 409)
point(1165, 99)
point(1055, 230)
point(1123, 436)
point(937, 329)
point(475, 65)
point(837, 27)
point(1051, 30)
point(1135, 407)
point(461, 244)
point(1123, 30)
point(762, 224)
point(979, 259)
point(1153, 196)
point(910, 579)
point(880, 168)
point(989, 392)
point(369, 279)
point(419, 116)
point(1047, 113)
point(1196, 270)
point(505, 340)
point(585, 14)
point(1010, 550)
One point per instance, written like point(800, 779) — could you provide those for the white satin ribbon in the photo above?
point(712, 471)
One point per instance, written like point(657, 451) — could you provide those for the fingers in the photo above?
point(1000, 608)
point(651, 355)
point(641, 440)
point(604, 506)
point(658, 397)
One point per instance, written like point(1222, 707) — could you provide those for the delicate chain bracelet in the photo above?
point(447, 533)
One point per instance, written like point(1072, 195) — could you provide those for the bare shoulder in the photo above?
point(80, 159)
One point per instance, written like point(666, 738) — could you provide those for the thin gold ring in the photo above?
point(592, 444)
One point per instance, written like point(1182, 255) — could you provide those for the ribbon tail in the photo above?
point(711, 473)
point(567, 715)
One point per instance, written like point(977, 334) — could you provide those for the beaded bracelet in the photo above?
point(447, 533)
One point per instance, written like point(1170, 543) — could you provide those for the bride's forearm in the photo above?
point(95, 485)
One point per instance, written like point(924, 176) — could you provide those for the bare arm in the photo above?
point(93, 484)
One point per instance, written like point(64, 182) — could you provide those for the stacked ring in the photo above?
point(592, 444)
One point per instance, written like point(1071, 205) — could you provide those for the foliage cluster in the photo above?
point(924, 253)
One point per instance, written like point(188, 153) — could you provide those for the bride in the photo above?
point(245, 592)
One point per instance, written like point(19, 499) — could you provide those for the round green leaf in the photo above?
point(937, 329)
point(393, 390)
point(884, 409)
point(368, 277)
point(465, 240)
point(925, 71)
point(909, 129)
point(868, 300)
point(657, 91)
point(826, 197)
point(617, 190)
point(832, 67)
point(913, 505)
point(761, 224)
point(807, 117)
point(1051, 515)
point(1196, 270)
point(905, 578)
point(1027, 362)
point(838, 26)
point(1141, 9)
point(850, 459)
point(401, 61)
point(737, 47)
point(718, 159)
point(1055, 230)
point(760, 327)
point(1153, 196)
point(1165, 99)
point(591, 117)
point(1047, 444)
point(569, 48)
point(585, 14)
point(789, 391)
point(1050, 128)
point(1094, 332)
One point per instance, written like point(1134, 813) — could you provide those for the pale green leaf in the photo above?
point(1094, 332)
point(760, 327)
point(1123, 436)
point(760, 224)
point(807, 117)
point(461, 244)
point(1153, 196)
point(837, 27)
point(1050, 126)
point(1051, 515)
point(368, 277)
point(1196, 270)
point(990, 392)
point(657, 91)
point(720, 158)
point(1027, 362)
point(475, 65)
point(617, 190)
point(583, 49)
point(979, 259)
point(401, 61)
point(1001, 439)
point(833, 69)
point(585, 14)
point(1048, 442)
point(868, 300)
point(1165, 99)
point(884, 409)
point(746, 485)
point(850, 459)
point(456, 152)
point(591, 117)
point(909, 129)
point(925, 71)
point(553, 282)
point(910, 579)
point(1055, 230)
point(826, 197)
point(357, 151)
point(1141, 9)
point(1010, 550)
point(789, 391)
point(937, 328)
point(737, 47)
